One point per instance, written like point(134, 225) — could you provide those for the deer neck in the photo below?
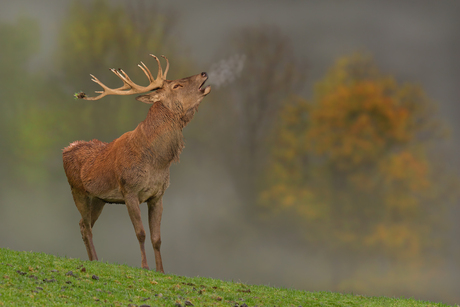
point(160, 135)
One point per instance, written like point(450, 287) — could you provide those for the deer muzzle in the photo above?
point(205, 90)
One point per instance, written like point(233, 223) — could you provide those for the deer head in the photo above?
point(182, 95)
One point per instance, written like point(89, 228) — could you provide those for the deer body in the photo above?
point(137, 162)
point(135, 167)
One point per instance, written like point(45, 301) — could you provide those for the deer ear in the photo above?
point(148, 98)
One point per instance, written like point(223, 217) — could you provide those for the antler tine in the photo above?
point(167, 66)
point(146, 71)
point(160, 70)
point(125, 78)
point(125, 85)
point(129, 87)
point(102, 93)
point(94, 79)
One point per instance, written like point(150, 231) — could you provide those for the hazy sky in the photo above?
point(418, 41)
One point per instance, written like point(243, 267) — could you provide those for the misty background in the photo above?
point(265, 58)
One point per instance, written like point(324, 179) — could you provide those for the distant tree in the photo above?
point(353, 166)
point(99, 35)
point(247, 108)
point(27, 115)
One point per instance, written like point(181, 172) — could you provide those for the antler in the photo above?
point(129, 87)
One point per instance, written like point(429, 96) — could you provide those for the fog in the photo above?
point(205, 232)
point(226, 71)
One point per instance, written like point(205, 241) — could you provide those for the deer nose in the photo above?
point(203, 74)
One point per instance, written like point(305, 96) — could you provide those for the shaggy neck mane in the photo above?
point(162, 130)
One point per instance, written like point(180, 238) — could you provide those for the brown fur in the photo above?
point(135, 167)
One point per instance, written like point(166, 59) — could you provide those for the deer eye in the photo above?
point(177, 86)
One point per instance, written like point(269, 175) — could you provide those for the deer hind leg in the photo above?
point(132, 204)
point(155, 211)
point(83, 204)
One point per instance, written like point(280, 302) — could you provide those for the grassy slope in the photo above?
point(37, 279)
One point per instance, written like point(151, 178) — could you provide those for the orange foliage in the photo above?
point(352, 164)
point(356, 124)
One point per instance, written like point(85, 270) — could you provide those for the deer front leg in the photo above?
point(132, 204)
point(155, 212)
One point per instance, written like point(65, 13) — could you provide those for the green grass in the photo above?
point(38, 279)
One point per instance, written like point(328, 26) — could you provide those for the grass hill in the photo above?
point(38, 279)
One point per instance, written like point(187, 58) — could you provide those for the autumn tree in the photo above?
point(352, 165)
point(27, 112)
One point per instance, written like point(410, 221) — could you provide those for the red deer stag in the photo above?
point(135, 167)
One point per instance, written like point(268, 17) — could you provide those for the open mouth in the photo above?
point(201, 85)
point(206, 89)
